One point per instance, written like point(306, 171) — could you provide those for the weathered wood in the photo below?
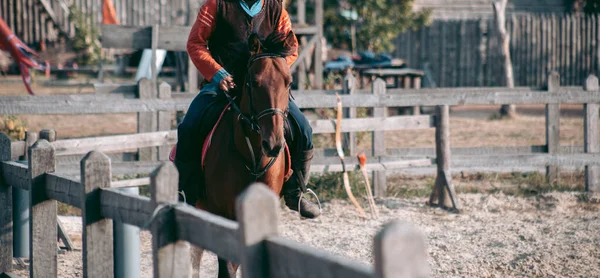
point(6, 222)
point(430, 152)
point(60, 229)
point(527, 160)
point(48, 135)
point(209, 231)
point(164, 120)
point(426, 97)
point(400, 251)
point(257, 211)
point(443, 193)
point(170, 255)
point(154, 48)
point(318, 63)
point(42, 210)
point(553, 127)
point(591, 136)
point(16, 174)
point(373, 124)
point(379, 177)
point(394, 163)
point(115, 143)
point(147, 121)
point(129, 209)
point(292, 259)
point(30, 138)
point(348, 88)
point(130, 183)
point(17, 149)
point(97, 238)
point(114, 90)
point(64, 189)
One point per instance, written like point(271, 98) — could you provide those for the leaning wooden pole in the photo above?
point(443, 194)
point(509, 110)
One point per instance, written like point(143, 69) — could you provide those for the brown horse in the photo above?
point(248, 144)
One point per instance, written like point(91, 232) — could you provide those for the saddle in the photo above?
point(208, 140)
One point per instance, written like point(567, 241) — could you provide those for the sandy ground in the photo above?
point(553, 235)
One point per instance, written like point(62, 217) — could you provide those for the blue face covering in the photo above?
point(254, 10)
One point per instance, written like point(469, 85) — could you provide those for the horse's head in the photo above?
point(267, 88)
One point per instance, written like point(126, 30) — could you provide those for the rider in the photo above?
point(218, 47)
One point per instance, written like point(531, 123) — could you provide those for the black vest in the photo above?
point(228, 43)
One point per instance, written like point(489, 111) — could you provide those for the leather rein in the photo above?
point(252, 120)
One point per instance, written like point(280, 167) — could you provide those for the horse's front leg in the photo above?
point(196, 259)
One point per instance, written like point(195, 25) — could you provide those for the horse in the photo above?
point(248, 143)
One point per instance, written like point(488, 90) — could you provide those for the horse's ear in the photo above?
point(254, 44)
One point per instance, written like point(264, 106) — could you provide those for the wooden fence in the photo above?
point(253, 241)
point(118, 99)
point(463, 53)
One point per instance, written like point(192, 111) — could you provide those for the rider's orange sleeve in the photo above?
point(285, 26)
point(197, 44)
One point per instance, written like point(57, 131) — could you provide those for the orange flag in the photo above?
point(109, 15)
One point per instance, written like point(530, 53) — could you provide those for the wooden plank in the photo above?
point(318, 63)
point(115, 143)
point(129, 90)
point(129, 209)
point(372, 124)
point(147, 121)
point(126, 37)
point(292, 259)
point(6, 223)
point(553, 127)
point(165, 119)
point(64, 189)
point(303, 53)
point(17, 149)
point(16, 174)
point(591, 136)
point(171, 255)
point(400, 252)
point(527, 160)
point(63, 236)
point(130, 183)
point(371, 166)
point(378, 148)
point(257, 211)
point(97, 238)
point(209, 231)
point(42, 211)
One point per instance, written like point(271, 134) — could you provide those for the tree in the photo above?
point(377, 22)
point(508, 110)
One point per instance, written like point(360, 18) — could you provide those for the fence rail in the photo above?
point(236, 241)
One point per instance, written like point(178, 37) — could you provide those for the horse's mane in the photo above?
point(276, 44)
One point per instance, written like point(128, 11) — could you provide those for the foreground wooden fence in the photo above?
point(399, 249)
point(115, 98)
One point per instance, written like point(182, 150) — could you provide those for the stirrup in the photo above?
point(302, 196)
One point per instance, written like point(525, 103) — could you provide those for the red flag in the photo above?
point(23, 55)
point(109, 15)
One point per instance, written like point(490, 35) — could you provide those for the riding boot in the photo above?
point(296, 186)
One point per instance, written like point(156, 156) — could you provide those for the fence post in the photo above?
point(257, 211)
point(147, 121)
point(42, 219)
point(164, 120)
point(50, 136)
point(97, 231)
point(443, 193)
point(590, 130)
point(171, 256)
point(379, 177)
point(553, 128)
point(400, 251)
point(21, 208)
point(6, 217)
point(348, 88)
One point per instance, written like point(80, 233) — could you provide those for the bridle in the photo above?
point(252, 120)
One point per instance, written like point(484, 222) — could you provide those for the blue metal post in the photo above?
point(127, 245)
point(20, 223)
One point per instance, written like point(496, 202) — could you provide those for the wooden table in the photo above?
point(406, 75)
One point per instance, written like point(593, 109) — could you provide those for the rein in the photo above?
point(252, 121)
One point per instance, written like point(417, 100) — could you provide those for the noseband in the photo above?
point(252, 119)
